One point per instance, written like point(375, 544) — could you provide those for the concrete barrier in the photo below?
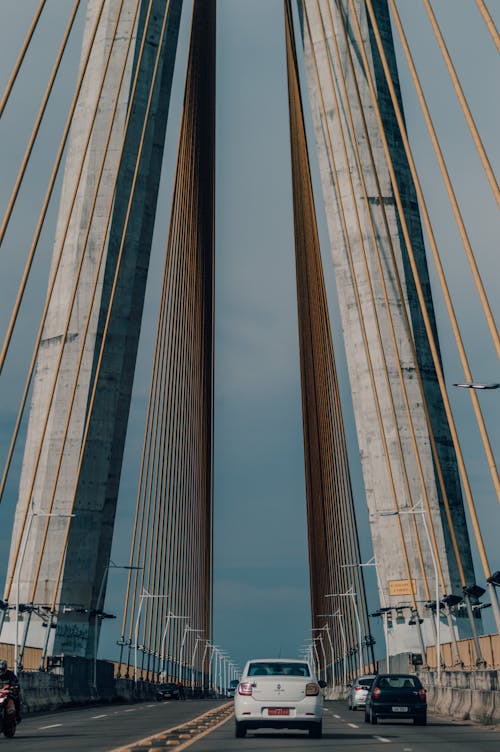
point(71, 684)
point(464, 695)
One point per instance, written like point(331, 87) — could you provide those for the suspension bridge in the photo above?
point(96, 201)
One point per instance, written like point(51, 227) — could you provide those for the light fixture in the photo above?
point(475, 591)
point(494, 578)
point(477, 385)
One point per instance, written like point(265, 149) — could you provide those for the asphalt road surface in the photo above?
point(101, 728)
point(345, 731)
point(104, 728)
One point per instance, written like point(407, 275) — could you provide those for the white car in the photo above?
point(278, 693)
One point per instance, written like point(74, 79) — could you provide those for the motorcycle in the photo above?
point(7, 711)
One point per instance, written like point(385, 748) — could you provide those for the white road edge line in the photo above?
point(53, 725)
point(381, 739)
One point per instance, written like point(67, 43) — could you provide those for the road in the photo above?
point(346, 731)
point(104, 728)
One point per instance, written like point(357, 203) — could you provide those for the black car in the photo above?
point(167, 691)
point(396, 696)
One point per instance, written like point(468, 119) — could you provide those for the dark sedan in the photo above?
point(397, 696)
point(168, 691)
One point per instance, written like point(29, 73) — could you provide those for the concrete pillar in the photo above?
point(386, 542)
point(89, 544)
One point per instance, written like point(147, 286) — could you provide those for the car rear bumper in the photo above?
point(386, 711)
point(300, 714)
point(359, 703)
point(290, 723)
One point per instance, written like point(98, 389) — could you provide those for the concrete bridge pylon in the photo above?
point(118, 130)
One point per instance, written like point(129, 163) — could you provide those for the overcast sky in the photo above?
point(261, 575)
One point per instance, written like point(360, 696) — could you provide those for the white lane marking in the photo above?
point(129, 710)
point(95, 717)
point(407, 749)
point(381, 739)
point(337, 716)
point(53, 725)
point(151, 706)
point(352, 725)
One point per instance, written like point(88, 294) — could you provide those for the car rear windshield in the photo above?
point(365, 682)
point(399, 681)
point(278, 669)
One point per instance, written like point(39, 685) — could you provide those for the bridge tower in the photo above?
point(66, 507)
point(77, 427)
point(375, 239)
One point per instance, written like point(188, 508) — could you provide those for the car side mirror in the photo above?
point(322, 683)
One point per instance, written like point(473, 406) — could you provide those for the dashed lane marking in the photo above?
point(95, 717)
point(129, 710)
point(337, 716)
point(52, 725)
point(381, 739)
point(353, 725)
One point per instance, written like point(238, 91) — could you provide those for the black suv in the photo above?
point(396, 696)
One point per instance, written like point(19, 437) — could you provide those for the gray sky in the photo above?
point(261, 577)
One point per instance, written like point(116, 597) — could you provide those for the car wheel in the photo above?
point(373, 718)
point(316, 730)
point(421, 721)
point(240, 730)
point(367, 717)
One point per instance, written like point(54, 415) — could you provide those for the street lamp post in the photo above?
point(170, 616)
point(344, 641)
point(326, 628)
point(109, 566)
point(315, 656)
point(207, 645)
point(419, 510)
point(370, 563)
point(350, 593)
point(223, 657)
point(143, 596)
point(320, 638)
point(32, 515)
point(211, 673)
point(198, 639)
point(187, 629)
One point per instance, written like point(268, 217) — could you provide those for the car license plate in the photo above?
point(399, 709)
point(278, 711)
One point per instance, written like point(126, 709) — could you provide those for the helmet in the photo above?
point(3, 666)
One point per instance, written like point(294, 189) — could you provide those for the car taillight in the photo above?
point(376, 692)
point(312, 689)
point(357, 688)
point(245, 688)
point(422, 694)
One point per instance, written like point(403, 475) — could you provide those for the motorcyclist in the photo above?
point(9, 677)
